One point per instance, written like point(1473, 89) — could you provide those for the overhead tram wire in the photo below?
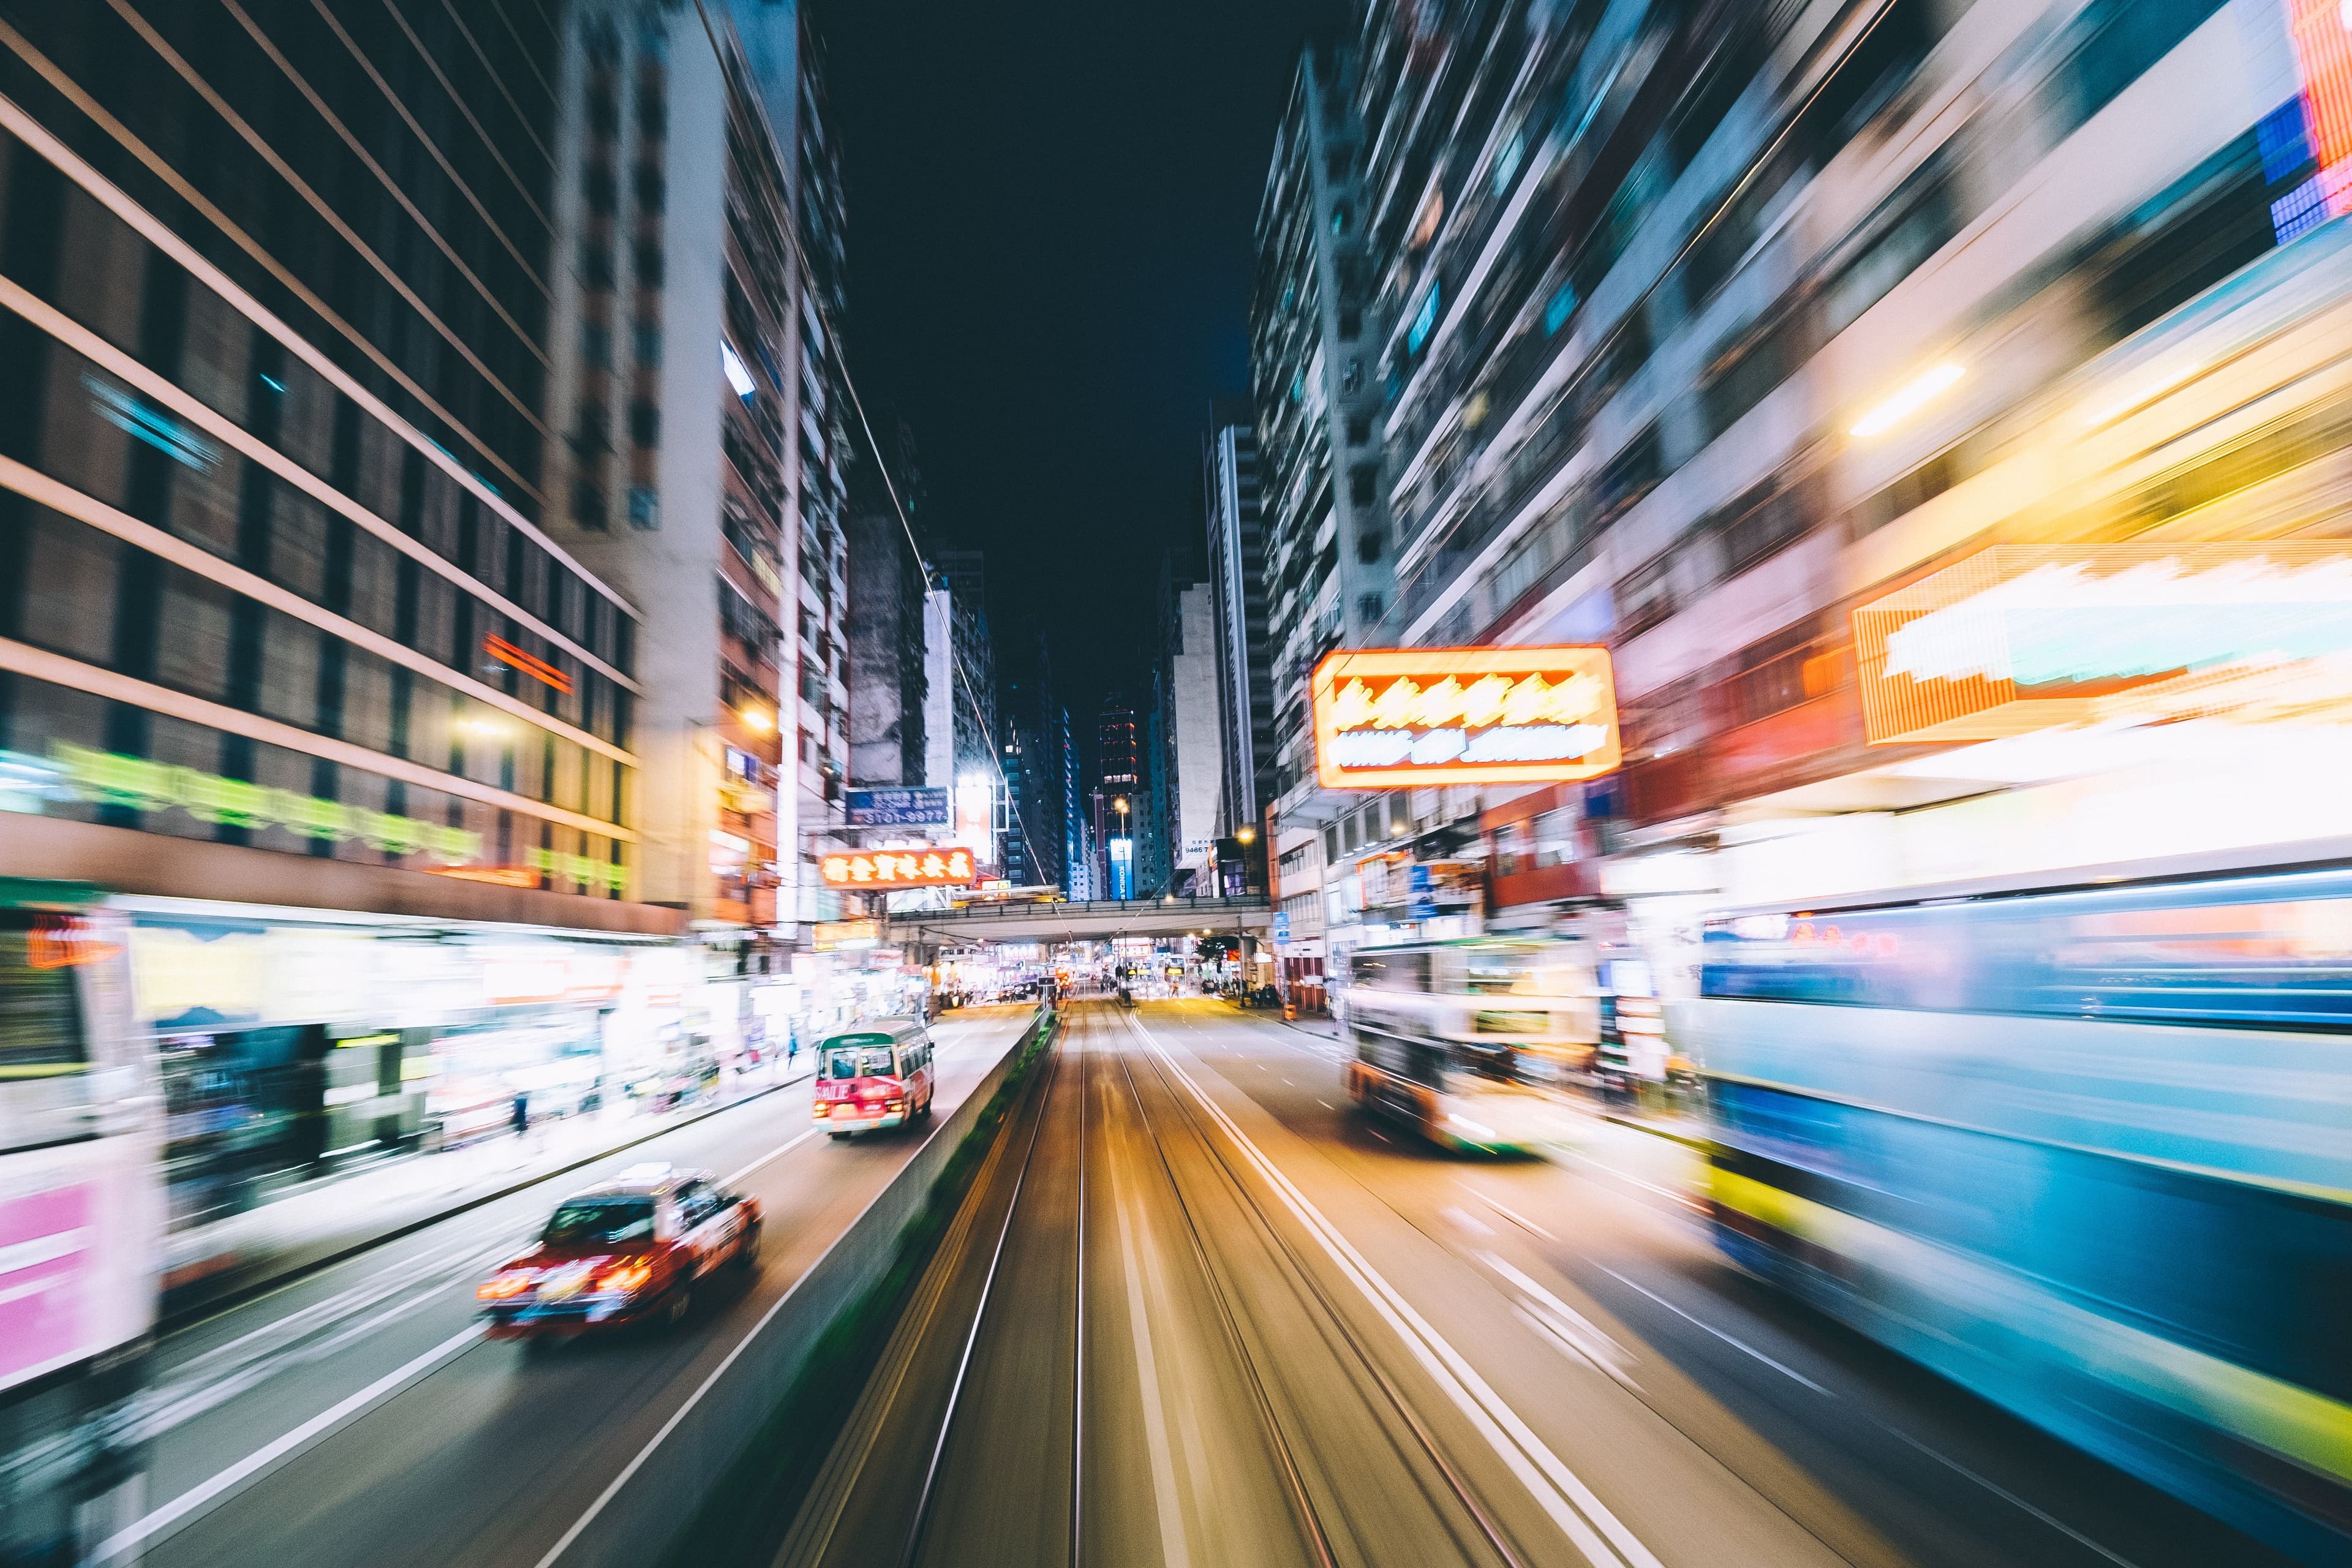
point(793, 242)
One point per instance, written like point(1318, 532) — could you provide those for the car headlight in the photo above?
point(626, 1277)
point(502, 1287)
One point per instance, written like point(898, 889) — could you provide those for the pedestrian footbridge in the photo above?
point(1094, 920)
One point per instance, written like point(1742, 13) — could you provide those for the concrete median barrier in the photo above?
point(668, 1484)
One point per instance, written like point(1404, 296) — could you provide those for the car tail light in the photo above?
point(502, 1287)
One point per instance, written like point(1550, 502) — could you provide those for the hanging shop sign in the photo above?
point(2023, 637)
point(844, 936)
point(1410, 718)
point(897, 808)
point(928, 866)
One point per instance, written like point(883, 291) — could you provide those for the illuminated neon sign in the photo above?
point(110, 778)
point(2023, 638)
point(932, 866)
point(538, 669)
point(1409, 718)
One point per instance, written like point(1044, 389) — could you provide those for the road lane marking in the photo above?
point(1666, 1192)
point(1571, 1505)
point(782, 1149)
point(1738, 1344)
point(1579, 1335)
point(1522, 1221)
point(2007, 1495)
point(263, 1458)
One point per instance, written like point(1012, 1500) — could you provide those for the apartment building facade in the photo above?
point(698, 432)
point(1699, 330)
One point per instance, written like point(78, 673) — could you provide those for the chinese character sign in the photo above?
point(936, 865)
point(1406, 718)
point(897, 808)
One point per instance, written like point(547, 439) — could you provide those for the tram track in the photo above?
point(1486, 1530)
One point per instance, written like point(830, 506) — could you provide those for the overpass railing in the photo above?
point(1089, 909)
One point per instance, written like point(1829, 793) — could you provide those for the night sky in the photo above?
point(1050, 252)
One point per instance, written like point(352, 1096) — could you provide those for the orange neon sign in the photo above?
point(1409, 718)
point(2016, 639)
point(538, 669)
point(931, 866)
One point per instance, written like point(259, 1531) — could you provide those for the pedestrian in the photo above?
point(520, 1118)
point(793, 1047)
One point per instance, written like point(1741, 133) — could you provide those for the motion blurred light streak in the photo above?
point(2017, 638)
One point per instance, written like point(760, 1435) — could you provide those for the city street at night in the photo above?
point(832, 784)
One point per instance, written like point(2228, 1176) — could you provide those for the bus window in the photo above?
point(40, 1012)
point(1387, 970)
point(858, 1061)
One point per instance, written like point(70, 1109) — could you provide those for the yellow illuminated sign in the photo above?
point(1409, 718)
point(932, 866)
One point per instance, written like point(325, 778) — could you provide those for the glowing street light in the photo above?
point(756, 719)
point(1245, 834)
point(1908, 399)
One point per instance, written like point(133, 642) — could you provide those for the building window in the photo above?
point(645, 507)
point(648, 264)
point(649, 343)
point(596, 347)
point(645, 423)
point(588, 506)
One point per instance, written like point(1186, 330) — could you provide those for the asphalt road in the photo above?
point(356, 1418)
point(1227, 1322)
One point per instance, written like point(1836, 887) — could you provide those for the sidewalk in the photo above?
point(321, 1221)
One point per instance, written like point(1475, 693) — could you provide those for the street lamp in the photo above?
point(1245, 834)
point(756, 719)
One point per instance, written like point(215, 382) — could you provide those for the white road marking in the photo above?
point(1468, 1221)
point(784, 1148)
point(270, 1454)
point(1738, 1344)
point(1572, 1505)
point(2007, 1495)
point(1522, 1221)
point(1667, 1193)
point(1587, 1340)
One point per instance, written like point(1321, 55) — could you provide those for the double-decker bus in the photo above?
point(1466, 1042)
point(879, 1076)
point(2085, 1149)
point(81, 1222)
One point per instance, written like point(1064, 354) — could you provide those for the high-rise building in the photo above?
point(1707, 369)
point(889, 683)
point(699, 435)
point(1236, 584)
point(1313, 342)
point(1118, 775)
point(281, 620)
point(1182, 766)
point(1045, 793)
point(982, 798)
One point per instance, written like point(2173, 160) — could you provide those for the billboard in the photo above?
point(1409, 718)
point(897, 808)
point(2017, 638)
point(925, 865)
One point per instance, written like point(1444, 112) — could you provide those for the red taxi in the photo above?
point(879, 1076)
point(627, 1251)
